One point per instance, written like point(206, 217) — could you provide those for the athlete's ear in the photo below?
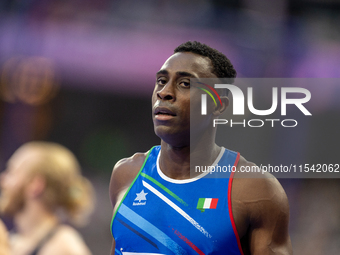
point(219, 109)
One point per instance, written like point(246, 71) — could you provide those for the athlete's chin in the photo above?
point(163, 131)
point(173, 124)
point(172, 136)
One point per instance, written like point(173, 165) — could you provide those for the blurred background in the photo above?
point(81, 73)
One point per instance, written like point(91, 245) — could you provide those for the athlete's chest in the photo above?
point(182, 217)
point(202, 199)
point(192, 216)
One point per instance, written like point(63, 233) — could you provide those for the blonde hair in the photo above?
point(66, 189)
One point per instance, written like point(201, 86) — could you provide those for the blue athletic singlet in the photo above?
point(160, 215)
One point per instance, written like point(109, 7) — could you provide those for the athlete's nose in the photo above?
point(166, 93)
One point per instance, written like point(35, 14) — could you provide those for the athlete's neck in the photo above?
point(174, 162)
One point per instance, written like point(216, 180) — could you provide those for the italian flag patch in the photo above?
point(206, 203)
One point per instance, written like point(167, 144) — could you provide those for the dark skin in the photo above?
point(259, 203)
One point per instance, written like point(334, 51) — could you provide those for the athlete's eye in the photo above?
point(185, 84)
point(161, 81)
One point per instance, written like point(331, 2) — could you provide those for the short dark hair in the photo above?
point(222, 66)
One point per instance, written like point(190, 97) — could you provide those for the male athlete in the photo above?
point(159, 208)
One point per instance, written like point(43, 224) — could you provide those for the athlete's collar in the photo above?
point(166, 178)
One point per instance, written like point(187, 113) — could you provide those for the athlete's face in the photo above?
point(13, 182)
point(171, 96)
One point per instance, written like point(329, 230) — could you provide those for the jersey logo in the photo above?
point(140, 197)
point(206, 203)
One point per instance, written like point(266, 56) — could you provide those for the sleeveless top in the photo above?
point(160, 215)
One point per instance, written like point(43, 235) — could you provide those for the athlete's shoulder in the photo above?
point(127, 166)
point(259, 200)
point(124, 172)
point(255, 182)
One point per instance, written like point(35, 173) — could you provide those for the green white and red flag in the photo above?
point(206, 203)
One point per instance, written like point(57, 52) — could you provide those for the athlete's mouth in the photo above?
point(164, 111)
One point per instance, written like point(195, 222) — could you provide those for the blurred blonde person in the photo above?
point(42, 187)
point(4, 245)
